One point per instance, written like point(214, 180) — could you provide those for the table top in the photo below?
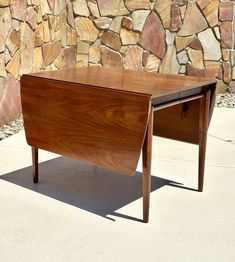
point(143, 83)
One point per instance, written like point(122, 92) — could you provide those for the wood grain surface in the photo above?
point(155, 85)
point(103, 127)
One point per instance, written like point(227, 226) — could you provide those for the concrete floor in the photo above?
point(82, 213)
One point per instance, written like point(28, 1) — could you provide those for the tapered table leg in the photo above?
point(146, 176)
point(35, 164)
point(203, 127)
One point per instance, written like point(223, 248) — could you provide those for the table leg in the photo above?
point(203, 127)
point(146, 176)
point(35, 164)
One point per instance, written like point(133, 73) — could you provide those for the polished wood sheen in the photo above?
point(107, 116)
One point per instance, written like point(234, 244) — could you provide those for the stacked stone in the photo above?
point(35, 35)
point(192, 37)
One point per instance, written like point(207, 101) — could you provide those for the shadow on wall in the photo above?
point(93, 189)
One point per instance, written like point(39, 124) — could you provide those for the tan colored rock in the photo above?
point(39, 35)
point(128, 37)
point(110, 58)
point(18, 9)
point(45, 8)
point(51, 4)
point(80, 8)
point(46, 31)
point(85, 29)
point(7, 56)
point(212, 68)
point(211, 12)
point(63, 27)
point(15, 24)
point(152, 64)
point(217, 32)
point(60, 6)
point(32, 17)
point(71, 36)
point(82, 60)
point(53, 26)
point(127, 23)
point(170, 64)
point(92, 4)
point(196, 57)
point(59, 62)
point(163, 8)
point(210, 45)
point(70, 17)
point(139, 17)
point(83, 48)
point(194, 21)
point(225, 54)
point(227, 72)
point(182, 70)
point(153, 36)
point(13, 41)
point(233, 73)
point(221, 87)
point(51, 51)
point(137, 4)
point(13, 66)
point(203, 3)
point(26, 49)
point(112, 7)
point(2, 65)
point(226, 34)
point(103, 22)
point(183, 42)
point(226, 11)
point(5, 3)
point(133, 58)
point(5, 25)
point(94, 55)
point(116, 24)
point(111, 39)
point(170, 37)
point(38, 62)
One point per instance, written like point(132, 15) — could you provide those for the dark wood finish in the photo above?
point(128, 81)
point(105, 116)
point(146, 176)
point(105, 128)
point(203, 127)
point(35, 164)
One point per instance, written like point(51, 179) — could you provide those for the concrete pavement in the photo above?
point(78, 212)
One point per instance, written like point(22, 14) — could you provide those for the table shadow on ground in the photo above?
point(88, 187)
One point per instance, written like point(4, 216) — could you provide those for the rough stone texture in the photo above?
point(133, 58)
point(112, 40)
point(210, 45)
point(110, 58)
point(194, 21)
point(191, 37)
point(153, 36)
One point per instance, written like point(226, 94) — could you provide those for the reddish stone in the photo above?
point(226, 11)
point(196, 44)
point(153, 36)
point(127, 23)
point(110, 58)
point(192, 71)
point(10, 103)
point(32, 17)
point(51, 4)
point(176, 21)
point(69, 57)
point(18, 9)
point(227, 72)
point(226, 34)
point(111, 39)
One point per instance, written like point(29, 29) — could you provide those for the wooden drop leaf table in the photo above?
point(106, 116)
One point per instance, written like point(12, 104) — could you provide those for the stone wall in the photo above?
point(192, 37)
